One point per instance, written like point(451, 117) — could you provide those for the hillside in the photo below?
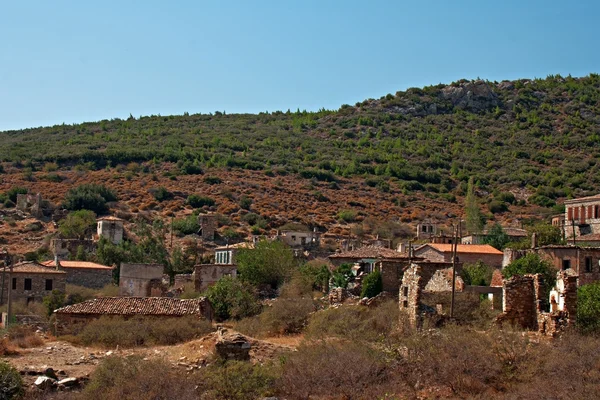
point(407, 155)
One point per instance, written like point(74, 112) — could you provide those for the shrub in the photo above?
point(186, 226)
point(118, 378)
point(238, 380)
point(77, 224)
point(111, 331)
point(24, 336)
point(245, 202)
point(347, 215)
point(89, 197)
point(232, 298)
point(11, 384)
point(372, 285)
point(212, 180)
point(478, 274)
point(55, 300)
point(191, 169)
point(496, 206)
point(197, 201)
point(162, 194)
point(269, 263)
point(12, 193)
point(588, 308)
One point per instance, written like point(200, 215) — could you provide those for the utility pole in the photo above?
point(454, 250)
point(573, 226)
point(9, 306)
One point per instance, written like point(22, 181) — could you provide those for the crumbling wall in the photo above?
point(208, 226)
point(30, 203)
point(136, 279)
point(519, 302)
point(441, 281)
point(206, 275)
point(410, 296)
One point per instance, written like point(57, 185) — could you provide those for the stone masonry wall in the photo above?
point(38, 285)
point(88, 277)
point(519, 303)
point(410, 296)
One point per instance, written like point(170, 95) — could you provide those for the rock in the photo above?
point(69, 382)
point(109, 353)
point(49, 372)
point(474, 96)
point(44, 382)
point(232, 346)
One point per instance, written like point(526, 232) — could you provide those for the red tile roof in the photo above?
point(369, 252)
point(497, 279)
point(465, 248)
point(76, 265)
point(592, 237)
point(137, 306)
point(34, 268)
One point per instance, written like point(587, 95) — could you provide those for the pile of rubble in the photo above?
point(48, 379)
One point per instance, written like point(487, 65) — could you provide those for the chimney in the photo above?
point(56, 262)
point(533, 240)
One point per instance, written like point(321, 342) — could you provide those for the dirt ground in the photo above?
point(68, 360)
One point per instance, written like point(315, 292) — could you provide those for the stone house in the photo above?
point(225, 255)
point(465, 253)
point(366, 257)
point(68, 248)
point(582, 216)
point(208, 274)
point(73, 318)
point(30, 281)
point(208, 226)
point(84, 273)
point(426, 230)
point(111, 228)
point(300, 238)
point(514, 235)
point(141, 280)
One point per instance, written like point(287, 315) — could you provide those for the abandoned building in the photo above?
point(73, 318)
point(465, 253)
point(226, 254)
point(83, 273)
point(426, 230)
point(523, 299)
point(582, 216)
point(441, 281)
point(300, 238)
point(67, 248)
point(30, 204)
point(208, 226)
point(208, 274)
point(514, 235)
point(583, 261)
point(141, 280)
point(365, 257)
point(111, 228)
point(30, 281)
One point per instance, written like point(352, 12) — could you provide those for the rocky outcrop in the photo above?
point(473, 96)
point(232, 345)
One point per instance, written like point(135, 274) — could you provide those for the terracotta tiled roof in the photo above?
point(76, 265)
point(466, 248)
point(137, 306)
point(34, 268)
point(582, 199)
point(242, 245)
point(369, 252)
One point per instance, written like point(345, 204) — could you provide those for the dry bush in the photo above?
point(109, 290)
point(468, 307)
point(138, 331)
point(344, 370)
point(237, 380)
point(118, 378)
point(284, 316)
point(24, 336)
point(7, 348)
point(22, 308)
point(355, 322)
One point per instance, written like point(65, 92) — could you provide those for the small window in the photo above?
point(405, 291)
point(27, 284)
point(405, 304)
point(49, 284)
point(588, 264)
point(566, 264)
point(14, 284)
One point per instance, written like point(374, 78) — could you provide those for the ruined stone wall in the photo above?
point(65, 249)
point(519, 303)
point(88, 277)
point(38, 285)
point(30, 203)
point(430, 254)
point(134, 279)
point(208, 274)
point(208, 225)
point(391, 274)
point(441, 281)
point(183, 279)
point(510, 255)
point(410, 296)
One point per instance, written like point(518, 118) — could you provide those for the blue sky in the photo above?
point(75, 61)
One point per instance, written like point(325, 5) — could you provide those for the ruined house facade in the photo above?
point(65, 249)
point(582, 216)
point(409, 297)
point(207, 275)
point(208, 226)
point(30, 203)
point(141, 280)
point(30, 281)
point(111, 228)
point(300, 238)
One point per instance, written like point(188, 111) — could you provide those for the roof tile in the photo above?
point(137, 306)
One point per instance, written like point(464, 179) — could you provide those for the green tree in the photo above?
point(56, 299)
point(269, 263)
point(372, 285)
point(232, 298)
point(11, 383)
point(496, 237)
point(77, 224)
point(588, 308)
point(533, 264)
point(89, 197)
point(546, 234)
point(478, 274)
point(473, 215)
